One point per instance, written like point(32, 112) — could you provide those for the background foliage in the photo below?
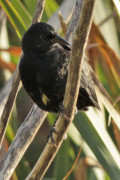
point(89, 131)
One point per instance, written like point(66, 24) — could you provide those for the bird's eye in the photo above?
point(51, 35)
point(48, 36)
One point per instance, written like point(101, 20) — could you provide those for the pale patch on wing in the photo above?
point(45, 99)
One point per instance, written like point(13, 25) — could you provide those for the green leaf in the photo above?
point(23, 12)
point(9, 133)
point(62, 161)
point(30, 5)
point(50, 8)
point(14, 17)
point(100, 143)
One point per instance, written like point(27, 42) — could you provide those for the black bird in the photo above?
point(44, 68)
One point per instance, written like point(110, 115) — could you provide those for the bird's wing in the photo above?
point(88, 84)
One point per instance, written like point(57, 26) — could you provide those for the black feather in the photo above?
point(44, 68)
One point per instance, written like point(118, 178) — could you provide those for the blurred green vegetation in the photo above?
point(89, 130)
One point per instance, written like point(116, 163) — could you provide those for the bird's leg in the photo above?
point(50, 136)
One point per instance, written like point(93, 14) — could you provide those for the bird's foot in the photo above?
point(50, 136)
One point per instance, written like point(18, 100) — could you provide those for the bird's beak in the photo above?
point(62, 42)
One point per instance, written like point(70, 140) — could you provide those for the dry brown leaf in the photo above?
point(80, 170)
point(10, 66)
point(101, 52)
point(13, 50)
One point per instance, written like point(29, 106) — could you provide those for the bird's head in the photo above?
point(40, 36)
